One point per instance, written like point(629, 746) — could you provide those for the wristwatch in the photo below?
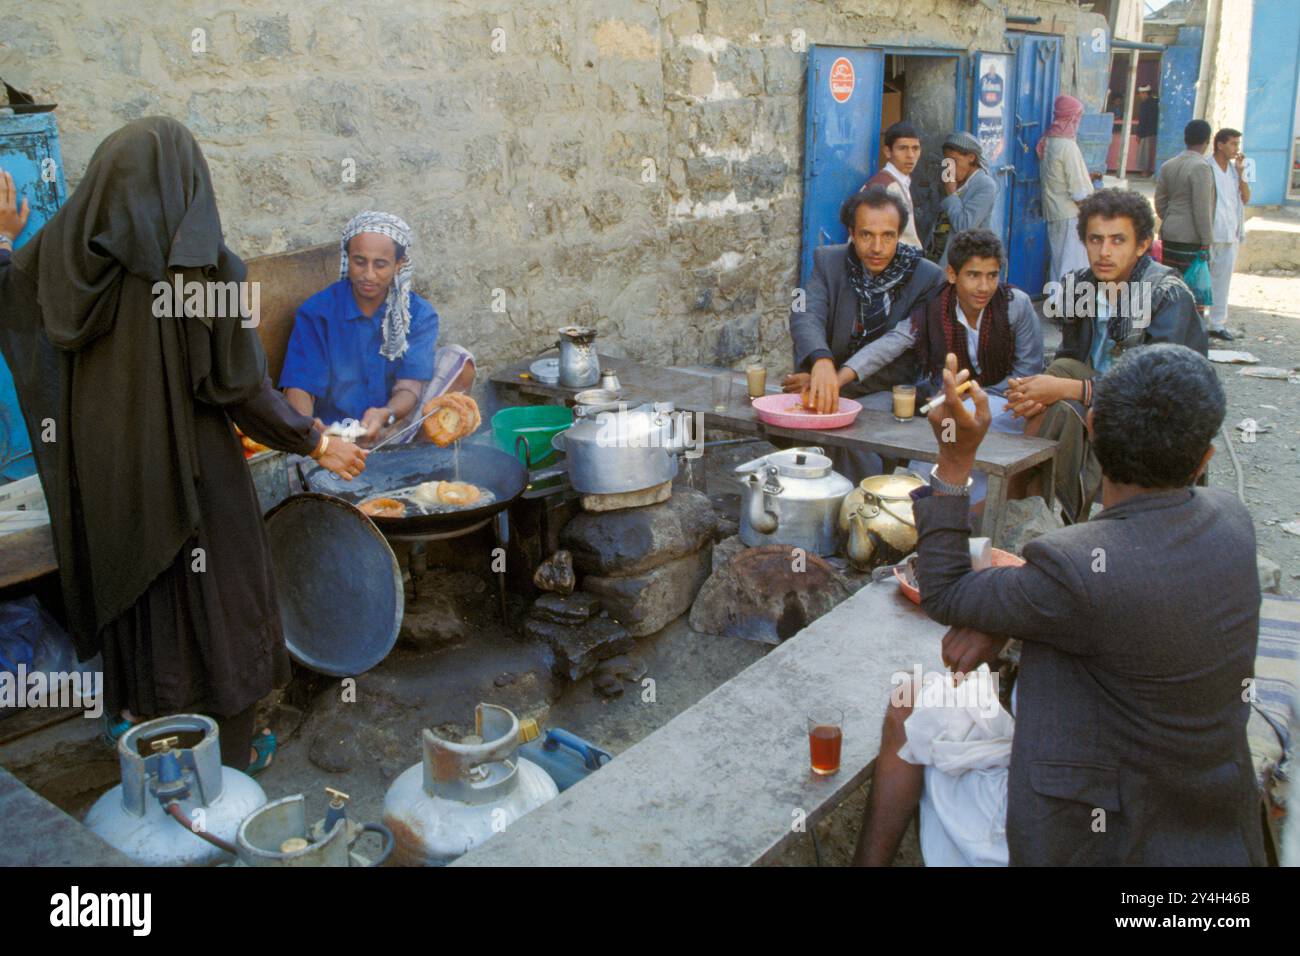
point(943, 488)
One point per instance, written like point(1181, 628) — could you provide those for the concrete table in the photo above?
point(727, 781)
point(1001, 456)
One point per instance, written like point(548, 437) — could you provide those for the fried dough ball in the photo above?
point(459, 493)
point(457, 415)
point(382, 508)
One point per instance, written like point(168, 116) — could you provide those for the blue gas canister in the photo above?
point(565, 756)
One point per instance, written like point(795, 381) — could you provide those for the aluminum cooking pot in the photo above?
point(611, 450)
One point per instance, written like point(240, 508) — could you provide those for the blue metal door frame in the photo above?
point(1037, 80)
point(842, 140)
point(1269, 130)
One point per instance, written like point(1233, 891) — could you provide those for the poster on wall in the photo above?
point(990, 112)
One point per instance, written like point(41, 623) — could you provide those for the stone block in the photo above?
point(1027, 519)
point(737, 338)
point(638, 539)
point(579, 649)
point(571, 609)
point(645, 603)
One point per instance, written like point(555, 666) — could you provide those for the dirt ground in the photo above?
point(1267, 309)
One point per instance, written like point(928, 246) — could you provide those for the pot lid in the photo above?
point(338, 584)
point(800, 463)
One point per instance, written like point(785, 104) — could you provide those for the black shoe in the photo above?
point(1223, 335)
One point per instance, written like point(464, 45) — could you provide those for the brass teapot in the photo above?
point(877, 516)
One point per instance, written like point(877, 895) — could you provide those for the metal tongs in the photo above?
point(402, 431)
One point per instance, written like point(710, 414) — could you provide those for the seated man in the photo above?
point(989, 325)
point(1140, 627)
point(365, 347)
point(1123, 300)
point(858, 292)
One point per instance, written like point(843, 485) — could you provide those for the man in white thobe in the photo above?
point(1232, 192)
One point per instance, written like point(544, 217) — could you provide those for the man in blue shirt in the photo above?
point(365, 348)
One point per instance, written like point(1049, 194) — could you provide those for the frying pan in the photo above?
point(391, 469)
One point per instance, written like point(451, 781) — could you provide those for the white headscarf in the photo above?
point(397, 316)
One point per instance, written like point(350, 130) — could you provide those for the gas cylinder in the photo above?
point(174, 760)
point(463, 792)
point(278, 835)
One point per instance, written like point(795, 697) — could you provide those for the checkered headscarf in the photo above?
point(397, 316)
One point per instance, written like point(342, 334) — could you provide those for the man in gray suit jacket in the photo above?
point(859, 291)
point(1139, 632)
point(1185, 198)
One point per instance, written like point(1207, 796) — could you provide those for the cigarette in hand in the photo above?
point(943, 396)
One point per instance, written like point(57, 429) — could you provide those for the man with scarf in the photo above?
point(163, 558)
point(858, 292)
point(1123, 300)
point(1065, 181)
point(365, 348)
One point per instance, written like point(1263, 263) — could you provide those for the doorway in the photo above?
point(924, 90)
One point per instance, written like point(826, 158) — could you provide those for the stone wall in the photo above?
point(630, 163)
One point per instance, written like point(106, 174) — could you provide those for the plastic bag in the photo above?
point(1197, 278)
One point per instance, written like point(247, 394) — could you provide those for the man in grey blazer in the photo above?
point(1139, 631)
point(1185, 199)
point(858, 292)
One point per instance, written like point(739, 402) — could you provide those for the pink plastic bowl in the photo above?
point(775, 410)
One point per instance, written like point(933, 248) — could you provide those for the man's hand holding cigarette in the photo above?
point(958, 429)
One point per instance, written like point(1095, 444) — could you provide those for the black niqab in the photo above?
point(115, 383)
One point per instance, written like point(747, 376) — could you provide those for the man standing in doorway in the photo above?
point(971, 194)
point(1232, 192)
point(1148, 125)
point(902, 149)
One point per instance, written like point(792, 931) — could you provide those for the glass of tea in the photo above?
point(904, 402)
point(825, 732)
point(756, 379)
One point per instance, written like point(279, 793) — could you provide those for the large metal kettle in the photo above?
point(463, 792)
point(579, 364)
point(174, 762)
point(792, 497)
point(877, 517)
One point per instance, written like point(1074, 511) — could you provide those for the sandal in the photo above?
point(264, 744)
point(113, 732)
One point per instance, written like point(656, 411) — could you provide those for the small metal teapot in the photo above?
point(877, 516)
point(579, 364)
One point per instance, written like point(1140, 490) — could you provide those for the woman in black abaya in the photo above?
point(163, 558)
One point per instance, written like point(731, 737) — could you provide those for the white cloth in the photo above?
point(1229, 210)
point(962, 735)
point(1068, 253)
point(1223, 257)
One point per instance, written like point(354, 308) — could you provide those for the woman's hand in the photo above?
point(343, 458)
point(12, 218)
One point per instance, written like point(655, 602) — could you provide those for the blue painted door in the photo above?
point(1037, 72)
point(1180, 65)
point(29, 151)
point(1270, 99)
point(841, 139)
point(992, 125)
